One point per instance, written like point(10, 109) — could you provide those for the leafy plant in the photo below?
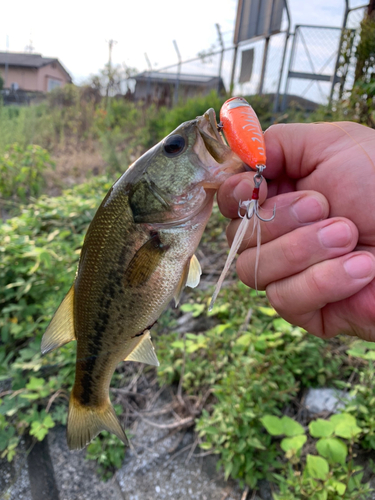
point(21, 171)
point(329, 475)
point(251, 373)
point(39, 251)
point(362, 404)
point(108, 452)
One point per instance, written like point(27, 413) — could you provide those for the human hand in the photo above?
point(317, 260)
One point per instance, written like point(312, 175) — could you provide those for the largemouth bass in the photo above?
point(137, 255)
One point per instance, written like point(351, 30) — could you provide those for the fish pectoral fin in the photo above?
point(145, 262)
point(60, 331)
point(190, 277)
point(181, 284)
point(195, 272)
point(144, 351)
point(85, 422)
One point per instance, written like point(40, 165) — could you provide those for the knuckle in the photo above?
point(316, 282)
point(244, 266)
point(276, 298)
point(293, 253)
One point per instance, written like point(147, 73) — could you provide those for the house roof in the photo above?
point(28, 60)
point(156, 76)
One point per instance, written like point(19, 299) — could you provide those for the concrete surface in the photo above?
point(325, 400)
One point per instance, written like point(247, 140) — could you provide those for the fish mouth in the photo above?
point(224, 162)
point(207, 128)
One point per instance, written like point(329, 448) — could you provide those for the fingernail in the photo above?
point(244, 190)
point(307, 209)
point(335, 235)
point(359, 266)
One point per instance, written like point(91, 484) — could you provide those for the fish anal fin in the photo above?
point(145, 262)
point(60, 331)
point(144, 351)
point(85, 422)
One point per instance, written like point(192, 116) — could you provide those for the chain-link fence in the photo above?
point(312, 62)
point(310, 67)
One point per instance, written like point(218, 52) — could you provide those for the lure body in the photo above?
point(243, 132)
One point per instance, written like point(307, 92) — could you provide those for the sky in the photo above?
point(77, 31)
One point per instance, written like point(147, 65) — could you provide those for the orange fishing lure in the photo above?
point(243, 132)
point(244, 135)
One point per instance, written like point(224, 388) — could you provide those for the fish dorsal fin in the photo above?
point(60, 331)
point(195, 272)
point(144, 351)
point(190, 277)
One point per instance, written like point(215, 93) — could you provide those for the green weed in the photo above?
point(21, 172)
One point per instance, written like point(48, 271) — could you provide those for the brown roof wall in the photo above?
point(34, 79)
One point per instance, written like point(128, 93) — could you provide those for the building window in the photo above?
point(52, 84)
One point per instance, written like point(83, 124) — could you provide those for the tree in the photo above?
point(362, 97)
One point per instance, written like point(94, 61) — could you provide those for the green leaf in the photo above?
point(338, 486)
point(273, 425)
point(205, 445)
point(293, 444)
point(321, 428)
point(278, 426)
point(38, 430)
point(281, 325)
point(228, 469)
point(48, 422)
point(333, 449)
point(244, 340)
point(35, 383)
point(255, 443)
point(268, 311)
point(345, 425)
point(317, 467)
point(291, 427)
point(178, 344)
point(320, 495)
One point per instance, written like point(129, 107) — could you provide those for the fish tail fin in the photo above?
point(84, 423)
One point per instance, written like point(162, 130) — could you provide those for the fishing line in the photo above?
point(243, 133)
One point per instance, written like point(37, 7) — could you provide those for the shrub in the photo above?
point(21, 171)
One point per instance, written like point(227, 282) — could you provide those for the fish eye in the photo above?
point(174, 145)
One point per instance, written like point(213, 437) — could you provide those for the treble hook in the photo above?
point(252, 206)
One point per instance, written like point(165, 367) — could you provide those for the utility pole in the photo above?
point(175, 100)
point(149, 76)
point(231, 87)
point(221, 56)
point(6, 63)
point(30, 48)
point(276, 103)
point(110, 76)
